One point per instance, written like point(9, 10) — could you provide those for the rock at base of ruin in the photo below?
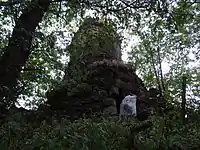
point(103, 88)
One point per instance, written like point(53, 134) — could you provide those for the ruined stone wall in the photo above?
point(96, 78)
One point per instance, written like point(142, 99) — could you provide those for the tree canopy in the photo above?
point(167, 33)
point(160, 39)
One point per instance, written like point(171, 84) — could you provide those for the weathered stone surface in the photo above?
point(109, 102)
point(95, 39)
point(110, 111)
point(96, 78)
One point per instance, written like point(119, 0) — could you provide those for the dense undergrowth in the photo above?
point(156, 133)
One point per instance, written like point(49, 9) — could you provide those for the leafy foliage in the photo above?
point(163, 44)
point(167, 33)
point(156, 133)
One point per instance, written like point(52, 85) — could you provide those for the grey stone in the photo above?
point(109, 111)
point(109, 102)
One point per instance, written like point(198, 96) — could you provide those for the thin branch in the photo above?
point(156, 74)
point(18, 50)
point(15, 2)
point(133, 5)
point(130, 5)
point(32, 69)
point(10, 3)
point(160, 67)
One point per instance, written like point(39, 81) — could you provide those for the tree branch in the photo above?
point(18, 50)
point(135, 6)
point(15, 2)
point(10, 3)
point(156, 73)
point(183, 103)
point(32, 69)
point(161, 73)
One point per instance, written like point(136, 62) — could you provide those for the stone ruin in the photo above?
point(96, 79)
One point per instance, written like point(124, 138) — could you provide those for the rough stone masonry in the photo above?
point(96, 79)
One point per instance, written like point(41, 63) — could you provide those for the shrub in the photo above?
point(100, 134)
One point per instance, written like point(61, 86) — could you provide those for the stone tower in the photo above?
point(96, 78)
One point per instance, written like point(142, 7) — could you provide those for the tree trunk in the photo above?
point(18, 49)
point(160, 71)
point(183, 111)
